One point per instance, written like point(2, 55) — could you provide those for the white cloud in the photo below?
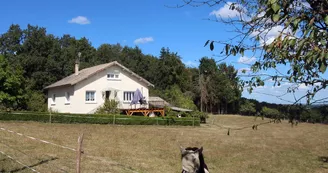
point(226, 12)
point(303, 87)
point(190, 63)
point(80, 20)
point(267, 36)
point(246, 60)
point(143, 40)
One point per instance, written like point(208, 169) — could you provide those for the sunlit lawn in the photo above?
point(274, 148)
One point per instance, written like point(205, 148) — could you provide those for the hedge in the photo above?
point(96, 119)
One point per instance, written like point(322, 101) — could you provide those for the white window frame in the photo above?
point(95, 96)
point(53, 99)
point(67, 98)
point(113, 76)
point(128, 96)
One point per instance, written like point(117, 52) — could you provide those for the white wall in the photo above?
point(98, 83)
point(60, 104)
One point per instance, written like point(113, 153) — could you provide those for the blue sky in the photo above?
point(147, 23)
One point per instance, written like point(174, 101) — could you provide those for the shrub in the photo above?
point(96, 119)
point(248, 108)
point(271, 113)
point(199, 115)
point(311, 116)
point(169, 112)
point(36, 102)
point(109, 107)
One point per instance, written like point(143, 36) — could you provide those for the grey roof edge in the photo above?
point(97, 71)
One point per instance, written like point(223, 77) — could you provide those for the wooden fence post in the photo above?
point(79, 152)
point(50, 118)
point(193, 120)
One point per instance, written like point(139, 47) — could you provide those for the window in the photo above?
point(53, 99)
point(67, 98)
point(90, 96)
point(128, 96)
point(113, 76)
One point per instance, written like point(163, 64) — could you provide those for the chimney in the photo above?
point(76, 68)
point(77, 61)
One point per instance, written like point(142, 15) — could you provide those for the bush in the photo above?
point(96, 119)
point(311, 116)
point(199, 115)
point(169, 112)
point(109, 107)
point(271, 113)
point(36, 102)
point(248, 108)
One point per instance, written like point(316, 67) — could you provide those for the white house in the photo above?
point(86, 90)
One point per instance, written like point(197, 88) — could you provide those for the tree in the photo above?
point(248, 108)
point(270, 113)
point(107, 53)
point(175, 96)
point(171, 71)
point(301, 43)
point(10, 43)
point(12, 93)
point(219, 86)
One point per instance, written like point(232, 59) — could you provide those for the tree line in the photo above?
point(31, 59)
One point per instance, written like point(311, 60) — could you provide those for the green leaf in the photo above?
point(295, 24)
point(275, 17)
point(326, 20)
point(227, 47)
point(212, 46)
point(300, 49)
point(322, 55)
point(275, 7)
point(309, 59)
point(323, 67)
point(292, 42)
point(272, 1)
point(233, 51)
point(242, 50)
point(206, 43)
point(257, 38)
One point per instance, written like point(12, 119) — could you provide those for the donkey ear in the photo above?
point(200, 149)
point(182, 149)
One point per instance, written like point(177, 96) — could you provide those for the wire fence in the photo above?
point(15, 160)
point(34, 158)
point(253, 127)
point(79, 150)
point(40, 140)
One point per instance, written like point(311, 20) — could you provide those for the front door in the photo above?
point(107, 95)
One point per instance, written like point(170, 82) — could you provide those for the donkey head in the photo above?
point(193, 160)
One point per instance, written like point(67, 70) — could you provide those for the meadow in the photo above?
point(272, 148)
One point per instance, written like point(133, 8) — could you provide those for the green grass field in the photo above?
point(273, 148)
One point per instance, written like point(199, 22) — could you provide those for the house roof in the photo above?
point(159, 102)
point(180, 109)
point(88, 72)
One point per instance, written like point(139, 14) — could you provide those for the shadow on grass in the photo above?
point(37, 164)
point(323, 159)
